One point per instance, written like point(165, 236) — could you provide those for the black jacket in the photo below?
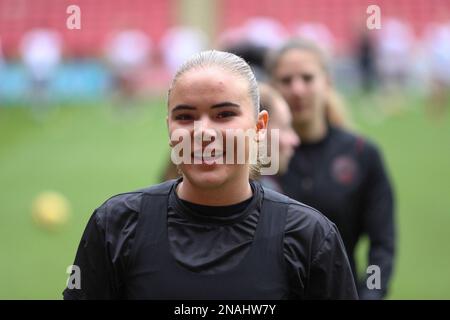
point(120, 258)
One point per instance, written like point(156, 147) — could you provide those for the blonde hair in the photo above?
point(335, 109)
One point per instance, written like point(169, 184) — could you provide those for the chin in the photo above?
point(206, 178)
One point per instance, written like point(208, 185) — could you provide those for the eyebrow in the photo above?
point(225, 104)
point(217, 105)
point(183, 107)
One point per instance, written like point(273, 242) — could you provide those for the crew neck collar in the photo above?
point(186, 209)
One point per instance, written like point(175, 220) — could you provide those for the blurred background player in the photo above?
point(128, 52)
point(279, 119)
point(338, 172)
point(179, 43)
point(252, 40)
point(395, 45)
point(437, 46)
point(41, 51)
point(365, 52)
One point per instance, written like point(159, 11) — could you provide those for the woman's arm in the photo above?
point(92, 259)
point(317, 262)
point(331, 276)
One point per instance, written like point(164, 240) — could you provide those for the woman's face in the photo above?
point(300, 78)
point(281, 119)
point(220, 100)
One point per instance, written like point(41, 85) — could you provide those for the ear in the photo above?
point(261, 125)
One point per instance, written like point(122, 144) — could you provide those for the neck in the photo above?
point(230, 193)
point(311, 132)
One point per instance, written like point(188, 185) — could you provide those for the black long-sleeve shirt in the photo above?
point(211, 240)
point(343, 176)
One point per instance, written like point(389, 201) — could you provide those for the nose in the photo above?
point(203, 133)
point(298, 87)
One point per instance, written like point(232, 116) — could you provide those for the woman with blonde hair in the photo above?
point(214, 233)
point(339, 172)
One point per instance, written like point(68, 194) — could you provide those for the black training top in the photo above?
point(343, 176)
point(150, 244)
